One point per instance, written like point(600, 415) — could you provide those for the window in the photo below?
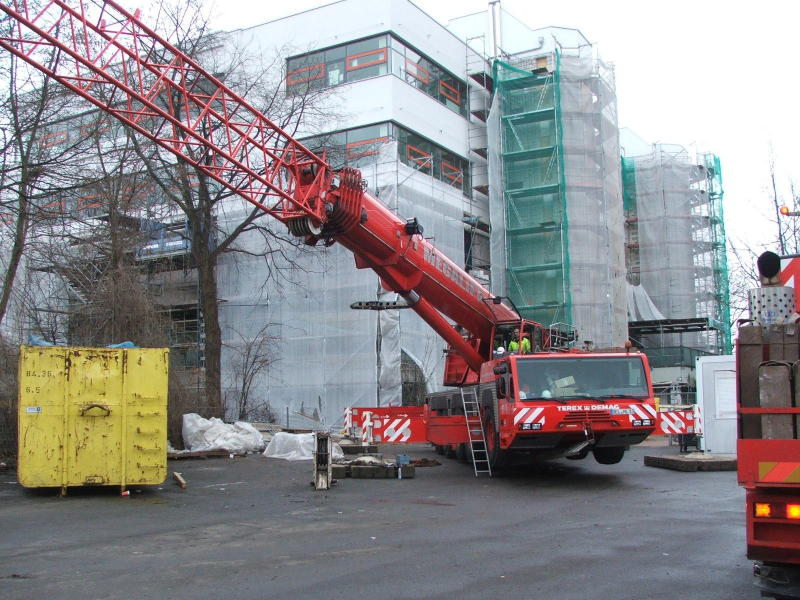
point(53, 138)
point(361, 145)
point(583, 377)
point(372, 57)
point(367, 58)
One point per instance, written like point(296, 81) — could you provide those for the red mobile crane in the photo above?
point(544, 403)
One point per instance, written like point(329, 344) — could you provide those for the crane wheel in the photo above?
point(610, 455)
point(462, 453)
point(498, 459)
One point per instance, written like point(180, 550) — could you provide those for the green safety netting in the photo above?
point(561, 193)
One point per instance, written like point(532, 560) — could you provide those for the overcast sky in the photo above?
point(709, 75)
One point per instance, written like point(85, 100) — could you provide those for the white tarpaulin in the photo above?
point(296, 446)
point(214, 434)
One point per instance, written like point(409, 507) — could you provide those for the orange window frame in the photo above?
point(449, 92)
point(452, 172)
point(59, 205)
point(55, 138)
point(90, 201)
point(384, 57)
point(414, 69)
point(99, 125)
point(129, 194)
point(290, 80)
point(422, 158)
point(351, 145)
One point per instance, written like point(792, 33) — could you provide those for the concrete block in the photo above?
point(750, 334)
point(775, 391)
point(670, 462)
point(362, 472)
point(407, 472)
point(359, 449)
point(700, 462)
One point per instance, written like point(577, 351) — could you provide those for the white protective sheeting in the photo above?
point(640, 306)
point(296, 446)
point(497, 205)
point(595, 223)
point(669, 202)
point(201, 434)
point(323, 356)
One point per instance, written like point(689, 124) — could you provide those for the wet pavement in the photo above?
point(254, 528)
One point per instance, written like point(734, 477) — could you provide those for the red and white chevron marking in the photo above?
point(698, 419)
point(676, 422)
point(390, 424)
point(529, 415)
point(642, 411)
point(394, 430)
point(367, 427)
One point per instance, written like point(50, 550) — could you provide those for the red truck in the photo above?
point(548, 404)
point(768, 392)
point(553, 401)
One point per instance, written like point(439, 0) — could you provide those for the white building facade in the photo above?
point(400, 111)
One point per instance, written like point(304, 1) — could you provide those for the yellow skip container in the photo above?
point(92, 416)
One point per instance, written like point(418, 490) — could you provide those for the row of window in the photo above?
point(130, 196)
point(379, 55)
point(359, 146)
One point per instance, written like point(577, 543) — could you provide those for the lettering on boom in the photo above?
point(446, 268)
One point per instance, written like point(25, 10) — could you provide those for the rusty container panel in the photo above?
point(92, 416)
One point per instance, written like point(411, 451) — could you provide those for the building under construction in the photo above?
point(504, 147)
point(676, 257)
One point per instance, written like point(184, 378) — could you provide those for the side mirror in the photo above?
point(500, 369)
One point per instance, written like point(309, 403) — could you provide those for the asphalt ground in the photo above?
point(254, 528)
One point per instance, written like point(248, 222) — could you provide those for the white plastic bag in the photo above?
point(213, 434)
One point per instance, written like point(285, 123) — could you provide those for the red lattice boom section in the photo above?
point(106, 55)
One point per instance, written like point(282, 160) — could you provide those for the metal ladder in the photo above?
point(477, 438)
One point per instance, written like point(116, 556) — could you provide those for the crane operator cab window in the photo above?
point(579, 377)
point(513, 339)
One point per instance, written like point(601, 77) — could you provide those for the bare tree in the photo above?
point(743, 275)
point(787, 229)
point(251, 356)
point(202, 201)
point(38, 161)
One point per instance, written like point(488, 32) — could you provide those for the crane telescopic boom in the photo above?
point(107, 56)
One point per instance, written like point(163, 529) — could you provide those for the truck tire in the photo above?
point(498, 459)
point(462, 453)
point(610, 455)
point(438, 449)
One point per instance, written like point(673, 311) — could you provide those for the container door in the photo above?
point(146, 372)
point(716, 399)
point(94, 416)
point(42, 426)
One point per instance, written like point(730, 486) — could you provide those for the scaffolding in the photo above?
point(561, 192)
point(675, 240)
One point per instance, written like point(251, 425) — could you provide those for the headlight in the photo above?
point(530, 426)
